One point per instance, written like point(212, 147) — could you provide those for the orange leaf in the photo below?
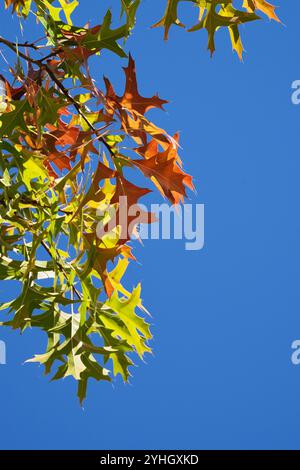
point(262, 5)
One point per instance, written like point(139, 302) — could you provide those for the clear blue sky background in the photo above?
point(224, 317)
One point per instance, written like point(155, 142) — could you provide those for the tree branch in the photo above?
point(42, 66)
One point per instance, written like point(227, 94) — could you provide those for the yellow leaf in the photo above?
point(262, 5)
point(68, 8)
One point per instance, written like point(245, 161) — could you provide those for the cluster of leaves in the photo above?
point(216, 14)
point(212, 15)
point(65, 149)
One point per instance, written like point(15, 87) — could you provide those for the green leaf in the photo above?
point(15, 119)
point(33, 168)
point(227, 17)
point(170, 17)
point(106, 38)
point(68, 8)
point(127, 324)
point(129, 8)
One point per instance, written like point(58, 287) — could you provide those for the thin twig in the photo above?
point(77, 106)
point(40, 63)
point(61, 267)
point(13, 47)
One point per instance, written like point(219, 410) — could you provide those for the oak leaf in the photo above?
point(163, 168)
point(262, 5)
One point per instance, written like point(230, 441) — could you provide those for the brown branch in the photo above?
point(77, 106)
point(13, 47)
point(42, 66)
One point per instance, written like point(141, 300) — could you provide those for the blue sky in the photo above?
point(224, 317)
